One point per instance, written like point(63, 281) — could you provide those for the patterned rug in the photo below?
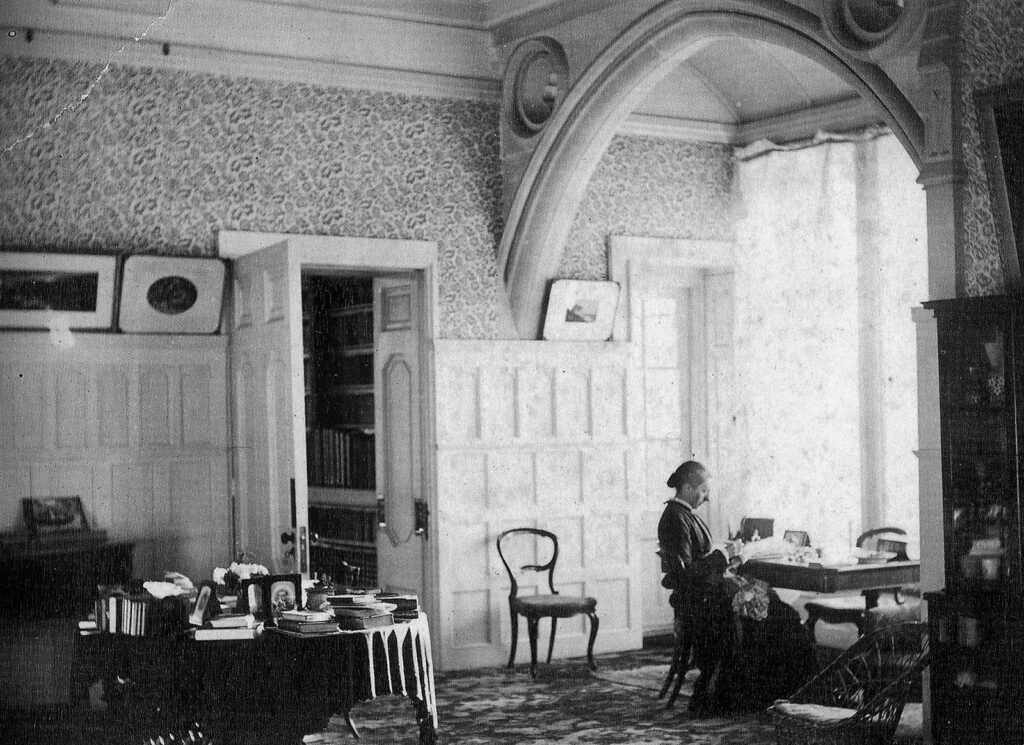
point(566, 704)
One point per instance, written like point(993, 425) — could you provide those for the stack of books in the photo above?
point(407, 607)
point(118, 612)
point(307, 622)
point(228, 626)
point(361, 611)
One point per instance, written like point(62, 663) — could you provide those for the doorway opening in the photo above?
point(338, 356)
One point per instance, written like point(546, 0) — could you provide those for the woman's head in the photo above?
point(690, 481)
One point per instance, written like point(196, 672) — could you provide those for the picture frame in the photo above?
point(206, 605)
point(1000, 113)
point(171, 295)
point(51, 515)
point(252, 597)
point(283, 592)
point(580, 310)
point(57, 291)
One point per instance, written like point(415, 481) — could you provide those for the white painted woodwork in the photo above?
point(545, 434)
point(326, 254)
point(269, 446)
point(136, 425)
point(396, 366)
point(677, 311)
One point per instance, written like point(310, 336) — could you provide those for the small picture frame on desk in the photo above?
point(252, 597)
point(284, 592)
point(206, 605)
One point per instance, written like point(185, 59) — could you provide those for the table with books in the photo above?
point(242, 684)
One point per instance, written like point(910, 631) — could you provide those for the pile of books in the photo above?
point(407, 607)
point(118, 612)
point(361, 611)
point(228, 626)
point(307, 622)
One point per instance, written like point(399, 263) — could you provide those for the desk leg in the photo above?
point(428, 733)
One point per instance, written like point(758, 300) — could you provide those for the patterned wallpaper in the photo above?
point(158, 162)
point(991, 53)
point(651, 187)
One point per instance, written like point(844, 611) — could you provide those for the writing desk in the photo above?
point(870, 579)
point(273, 689)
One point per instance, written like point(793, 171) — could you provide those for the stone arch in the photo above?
point(554, 182)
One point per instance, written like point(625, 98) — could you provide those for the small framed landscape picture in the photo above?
point(45, 515)
point(285, 592)
point(50, 291)
point(581, 310)
point(206, 605)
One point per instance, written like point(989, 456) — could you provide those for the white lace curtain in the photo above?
point(831, 257)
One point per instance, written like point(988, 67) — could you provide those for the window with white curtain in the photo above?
point(830, 259)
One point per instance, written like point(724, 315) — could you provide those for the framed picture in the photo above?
point(171, 295)
point(206, 605)
point(284, 592)
point(48, 291)
point(252, 597)
point(1001, 121)
point(44, 515)
point(580, 310)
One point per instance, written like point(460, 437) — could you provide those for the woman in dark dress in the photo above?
point(748, 644)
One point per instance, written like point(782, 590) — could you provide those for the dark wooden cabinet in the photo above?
point(976, 621)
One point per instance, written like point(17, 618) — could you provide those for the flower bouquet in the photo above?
point(232, 579)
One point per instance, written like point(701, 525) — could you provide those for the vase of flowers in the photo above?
point(231, 579)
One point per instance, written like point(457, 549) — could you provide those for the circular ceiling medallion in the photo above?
point(536, 79)
point(172, 295)
point(872, 28)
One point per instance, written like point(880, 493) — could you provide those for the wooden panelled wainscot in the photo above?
point(976, 625)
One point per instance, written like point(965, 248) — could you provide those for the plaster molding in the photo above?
point(185, 58)
point(670, 128)
point(266, 36)
point(567, 152)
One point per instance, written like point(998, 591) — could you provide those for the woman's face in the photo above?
point(697, 495)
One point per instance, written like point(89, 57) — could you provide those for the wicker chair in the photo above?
point(858, 699)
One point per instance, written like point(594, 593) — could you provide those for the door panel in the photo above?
point(269, 432)
point(400, 543)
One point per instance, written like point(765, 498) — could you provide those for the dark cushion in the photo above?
point(559, 606)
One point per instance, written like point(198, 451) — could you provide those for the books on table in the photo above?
point(307, 616)
point(211, 634)
point(358, 623)
point(233, 621)
point(309, 627)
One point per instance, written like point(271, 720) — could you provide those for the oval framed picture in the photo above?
point(171, 295)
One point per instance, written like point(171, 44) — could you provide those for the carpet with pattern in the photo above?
point(567, 703)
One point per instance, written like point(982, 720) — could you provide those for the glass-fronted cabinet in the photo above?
point(975, 621)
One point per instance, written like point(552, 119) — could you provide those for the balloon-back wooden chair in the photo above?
point(536, 607)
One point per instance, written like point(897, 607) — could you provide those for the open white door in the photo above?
point(401, 540)
point(269, 422)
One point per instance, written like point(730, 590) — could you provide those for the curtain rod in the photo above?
point(763, 147)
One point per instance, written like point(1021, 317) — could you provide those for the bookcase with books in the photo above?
point(338, 344)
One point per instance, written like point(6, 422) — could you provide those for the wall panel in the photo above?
point(135, 426)
point(555, 450)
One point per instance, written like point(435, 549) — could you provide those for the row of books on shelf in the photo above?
point(120, 613)
point(341, 458)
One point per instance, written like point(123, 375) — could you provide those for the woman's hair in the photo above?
point(691, 472)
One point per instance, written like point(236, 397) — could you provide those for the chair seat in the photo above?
point(557, 606)
point(812, 713)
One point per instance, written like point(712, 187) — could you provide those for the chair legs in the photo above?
point(515, 636)
point(531, 629)
point(594, 623)
point(679, 666)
